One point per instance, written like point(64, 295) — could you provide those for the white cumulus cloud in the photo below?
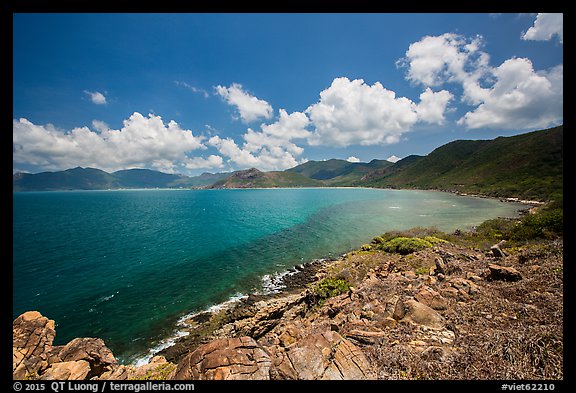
point(512, 95)
point(353, 159)
point(96, 97)
point(141, 142)
point(520, 98)
point(249, 107)
point(449, 57)
point(432, 105)
point(355, 113)
point(545, 27)
point(271, 148)
point(213, 161)
point(393, 158)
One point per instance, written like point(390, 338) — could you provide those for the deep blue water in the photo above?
point(125, 265)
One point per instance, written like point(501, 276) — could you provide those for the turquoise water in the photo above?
point(126, 265)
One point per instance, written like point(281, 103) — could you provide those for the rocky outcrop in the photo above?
point(34, 356)
point(431, 298)
point(226, 359)
point(418, 313)
point(79, 369)
point(325, 355)
point(497, 250)
point(91, 350)
point(504, 273)
point(32, 337)
point(157, 369)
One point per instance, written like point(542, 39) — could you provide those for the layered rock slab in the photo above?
point(226, 359)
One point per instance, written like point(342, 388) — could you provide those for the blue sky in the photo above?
point(193, 93)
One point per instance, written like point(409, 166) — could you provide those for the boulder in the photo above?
point(497, 251)
point(504, 273)
point(92, 350)
point(325, 355)
point(75, 370)
point(466, 286)
point(440, 265)
point(225, 359)
point(32, 337)
point(420, 314)
point(269, 314)
point(431, 298)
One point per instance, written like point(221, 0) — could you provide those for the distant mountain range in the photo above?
point(96, 179)
point(527, 166)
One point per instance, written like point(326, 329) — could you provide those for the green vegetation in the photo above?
point(434, 240)
point(546, 222)
point(527, 166)
point(253, 178)
point(405, 245)
point(407, 242)
point(327, 288)
point(159, 373)
point(338, 172)
point(96, 179)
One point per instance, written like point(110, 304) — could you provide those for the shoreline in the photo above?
point(275, 285)
point(194, 327)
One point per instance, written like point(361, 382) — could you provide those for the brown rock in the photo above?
point(421, 314)
point(75, 370)
point(289, 335)
point(94, 351)
point(226, 359)
point(467, 286)
point(399, 310)
point(504, 273)
point(269, 314)
point(497, 251)
point(325, 355)
point(366, 337)
point(449, 292)
point(440, 265)
point(32, 337)
point(431, 298)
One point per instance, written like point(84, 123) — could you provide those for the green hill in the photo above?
point(146, 178)
point(96, 179)
point(527, 166)
point(253, 178)
point(70, 179)
point(336, 172)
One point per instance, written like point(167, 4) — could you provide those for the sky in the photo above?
point(194, 93)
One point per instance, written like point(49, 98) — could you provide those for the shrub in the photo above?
point(405, 245)
point(546, 223)
point(325, 289)
point(331, 287)
point(498, 228)
point(434, 240)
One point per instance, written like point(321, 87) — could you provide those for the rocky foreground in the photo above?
point(445, 312)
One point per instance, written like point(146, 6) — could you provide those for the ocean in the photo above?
point(127, 265)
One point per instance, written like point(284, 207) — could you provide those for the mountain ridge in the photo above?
point(526, 166)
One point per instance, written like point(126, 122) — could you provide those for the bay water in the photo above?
point(126, 265)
